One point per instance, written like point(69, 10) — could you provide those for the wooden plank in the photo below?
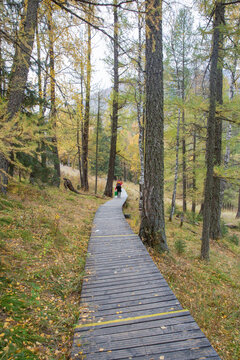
point(123, 287)
point(145, 341)
point(163, 349)
point(139, 333)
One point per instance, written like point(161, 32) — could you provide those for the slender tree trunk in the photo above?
point(114, 117)
point(184, 167)
point(184, 170)
point(1, 59)
point(152, 229)
point(176, 169)
point(215, 224)
point(208, 192)
point(41, 146)
point(238, 211)
point(140, 111)
point(87, 109)
point(79, 151)
point(56, 161)
point(18, 76)
point(194, 186)
point(97, 135)
point(80, 162)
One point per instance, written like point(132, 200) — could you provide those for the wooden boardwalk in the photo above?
point(130, 311)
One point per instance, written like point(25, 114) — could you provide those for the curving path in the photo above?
point(128, 310)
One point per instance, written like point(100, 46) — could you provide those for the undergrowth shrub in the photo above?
point(234, 239)
point(179, 246)
point(224, 228)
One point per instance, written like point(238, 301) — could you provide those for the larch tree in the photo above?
point(85, 131)
point(53, 110)
point(19, 72)
point(211, 124)
point(114, 116)
point(215, 224)
point(152, 228)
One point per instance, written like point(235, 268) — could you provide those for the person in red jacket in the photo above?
point(118, 188)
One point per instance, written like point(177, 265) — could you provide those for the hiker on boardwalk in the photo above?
point(118, 188)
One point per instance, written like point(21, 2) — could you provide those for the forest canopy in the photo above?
point(54, 109)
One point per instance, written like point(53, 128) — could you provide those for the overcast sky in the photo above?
point(101, 76)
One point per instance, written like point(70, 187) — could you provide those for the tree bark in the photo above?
point(238, 211)
point(97, 135)
point(215, 224)
point(114, 117)
point(152, 229)
point(176, 170)
point(56, 162)
point(184, 171)
point(194, 186)
point(87, 109)
point(18, 76)
point(208, 192)
point(140, 108)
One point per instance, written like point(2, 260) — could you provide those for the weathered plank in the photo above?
point(128, 309)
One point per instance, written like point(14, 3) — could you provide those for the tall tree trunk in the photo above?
point(41, 146)
point(208, 192)
point(184, 170)
point(238, 211)
point(229, 126)
point(114, 117)
point(176, 169)
point(140, 110)
point(215, 224)
point(97, 135)
point(1, 59)
point(194, 186)
point(184, 167)
point(79, 150)
point(152, 229)
point(80, 162)
point(87, 108)
point(18, 76)
point(56, 161)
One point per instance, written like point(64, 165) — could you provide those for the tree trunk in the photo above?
point(152, 229)
point(56, 162)
point(87, 110)
point(176, 170)
point(215, 224)
point(194, 187)
point(97, 134)
point(208, 192)
point(41, 146)
point(80, 162)
point(140, 111)
point(238, 211)
point(19, 74)
point(184, 171)
point(114, 117)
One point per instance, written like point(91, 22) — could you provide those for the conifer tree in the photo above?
point(19, 73)
point(152, 229)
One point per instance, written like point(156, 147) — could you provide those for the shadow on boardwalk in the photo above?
point(131, 313)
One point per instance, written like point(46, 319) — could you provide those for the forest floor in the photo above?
point(43, 244)
point(209, 290)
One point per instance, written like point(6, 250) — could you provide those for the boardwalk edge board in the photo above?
point(128, 310)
